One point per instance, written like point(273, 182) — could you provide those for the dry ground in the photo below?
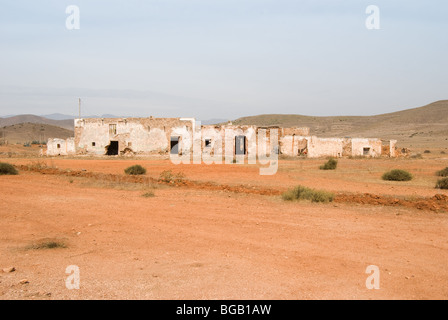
point(190, 243)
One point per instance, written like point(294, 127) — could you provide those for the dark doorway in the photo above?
point(240, 145)
point(112, 149)
point(174, 145)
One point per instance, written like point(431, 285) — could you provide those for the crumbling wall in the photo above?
point(325, 147)
point(138, 135)
point(230, 132)
point(392, 148)
point(212, 143)
point(366, 147)
point(286, 145)
point(304, 131)
point(300, 145)
point(60, 147)
point(153, 135)
point(346, 147)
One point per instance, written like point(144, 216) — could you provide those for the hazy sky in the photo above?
point(222, 58)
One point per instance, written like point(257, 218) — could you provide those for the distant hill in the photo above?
point(213, 121)
point(427, 125)
point(59, 116)
point(29, 132)
point(421, 127)
point(29, 118)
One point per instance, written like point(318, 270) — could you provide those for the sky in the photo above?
point(221, 58)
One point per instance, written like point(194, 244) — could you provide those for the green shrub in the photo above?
point(443, 172)
point(7, 169)
point(331, 164)
point(397, 175)
point(304, 193)
point(442, 183)
point(135, 170)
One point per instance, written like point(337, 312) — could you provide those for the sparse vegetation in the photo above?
point(170, 177)
point(7, 169)
point(417, 156)
point(135, 170)
point(148, 194)
point(427, 151)
point(397, 175)
point(38, 165)
point(304, 193)
point(442, 183)
point(443, 172)
point(38, 142)
point(50, 244)
point(331, 164)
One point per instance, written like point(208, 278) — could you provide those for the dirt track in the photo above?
point(194, 243)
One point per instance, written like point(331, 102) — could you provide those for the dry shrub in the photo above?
point(304, 193)
point(442, 183)
point(331, 164)
point(169, 177)
point(443, 172)
point(135, 170)
point(7, 169)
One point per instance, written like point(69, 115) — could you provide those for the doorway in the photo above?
point(174, 145)
point(240, 145)
point(112, 149)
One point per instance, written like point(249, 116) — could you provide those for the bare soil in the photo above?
point(222, 233)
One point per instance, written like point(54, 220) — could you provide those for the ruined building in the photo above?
point(148, 136)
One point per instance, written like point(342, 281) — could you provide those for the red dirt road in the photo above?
point(189, 243)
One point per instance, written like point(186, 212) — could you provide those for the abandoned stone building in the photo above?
point(147, 136)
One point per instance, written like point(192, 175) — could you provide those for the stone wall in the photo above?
point(134, 135)
point(60, 147)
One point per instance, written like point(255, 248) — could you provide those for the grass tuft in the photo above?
point(51, 244)
point(148, 194)
point(304, 193)
point(135, 170)
point(170, 177)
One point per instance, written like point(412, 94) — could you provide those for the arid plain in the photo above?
point(221, 231)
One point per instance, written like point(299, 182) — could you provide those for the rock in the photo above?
point(8, 270)
point(24, 281)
